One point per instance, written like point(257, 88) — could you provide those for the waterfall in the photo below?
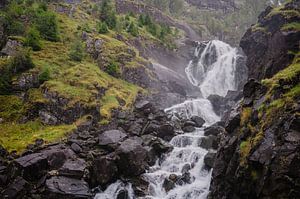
point(213, 70)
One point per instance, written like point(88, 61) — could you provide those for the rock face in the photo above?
point(259, 156)
point(270, 39)
point(11, 47)
point(225, 5)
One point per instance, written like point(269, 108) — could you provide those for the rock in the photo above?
point(198, 120)
point(151, 128)
point(186, 168)
point(213, 130)
point(132, 158)
point(166, 132)
point(209, 160)
point(111, 138)
point(76, 148)
point(16, 190)
point(47, 118)
point(73, 168)
point(26, 81)
point(168, 184)
point(189, 123)
point(209, 142)
point(11, 47)
point(234, 120)
point(32, 166)
point(123, 194)
point(188, 129)
point(103, 171)
point(67, 188)
point(135, 129)
point(143, 105)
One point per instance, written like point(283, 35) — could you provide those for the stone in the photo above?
point(199, 121)
point(11, 47)
point(213, 130)
point(168, 185)
point(186, 168)
point(103, 171)
point(132, 158)
point(67, 188)
point(143, 105)
point(74, 168)
point(17, 189)
point(209, 142)
point(209, 160)
point(76, 148)
point(111, 137)
point(33, 166)
point(166, 132)
point(188, 129)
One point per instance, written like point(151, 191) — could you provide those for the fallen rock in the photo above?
point(188, 129)
point(213, 130)
point(111, 138)
point(11, 47)
point(67, 188)
point(199, 121)
point(210, 142)
point(132, 158)
point(143, 105)
point(166, 132)
point(32, 166)
point(73, 168)
point(209, 160)
point(16, 190)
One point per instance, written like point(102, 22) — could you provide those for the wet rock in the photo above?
point(234, 120)
point(186, 168)
point(188, 129)
point(199, 121)
point(103, 171)
point(26, 81)
point(210, 142)
point(213, 130)
point(209, 160)
point(73, 168)
point(143, 105)
point(32, 166)
point(166, 132)
point(151, 128)
point(111, 138)
point(132, 158)
point(16, 190)
point(123, 194)
point(135, 129)
point(169, 184)
point(63, 187)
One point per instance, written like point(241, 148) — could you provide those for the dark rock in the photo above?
point(76, 148)
point(63, 187)
point(168, 184)
point(213, 130)
point(186, 168)
point(209, 160)
point(210, 142)
point(73, 168)
point(143, 105)
point(123, 194)
point(234, 120)
point(189, 123)
point(135, 129)
point(166, 132)
point(11, 47)
point(188, 129)
point(132, 158)
point(111, 138)
point(26, 81)
point(103, 171)
point(16, 190)
point(198, 120)
point(32, 166)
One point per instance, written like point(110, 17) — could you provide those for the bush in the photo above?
point(21, 62)
point(113, 69)
point(76, 52)
point(102, 28)
point(133, 29)
point(5, 79)
point(46, 23)
point(33, 39)
point(108, 14)
point(44, 75)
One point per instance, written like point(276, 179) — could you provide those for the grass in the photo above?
point(245, 115)
point(16, 137)
point(11, 108)
point(245, 148)
point(291, 26)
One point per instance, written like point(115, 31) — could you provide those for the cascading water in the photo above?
point(213, 71)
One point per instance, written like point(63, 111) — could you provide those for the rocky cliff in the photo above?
point(259, 155)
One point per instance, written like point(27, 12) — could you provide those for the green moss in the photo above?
point(17, 137)
point(11, 107)
point(245, 115)
point(291, 26)
point(258, 27)
point(245, 148)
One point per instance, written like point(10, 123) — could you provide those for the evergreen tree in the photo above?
point(46, 23)
point(102, 28)
point(33, 39)
point(133, 29)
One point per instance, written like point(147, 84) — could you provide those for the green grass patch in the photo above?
point(11, 108)
point(245, 148)
point(291, 26)
point(16, 137)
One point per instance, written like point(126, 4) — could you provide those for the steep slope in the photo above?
point(259, 156)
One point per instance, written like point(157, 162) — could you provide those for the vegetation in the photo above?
point(76, 52)
point(33, 39)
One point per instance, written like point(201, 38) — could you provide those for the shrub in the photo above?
point(21, 61)
point(44, 75)
point(33, 39)
point(5, 79)
point(113, 69)
point(133, 29)
point(46, 23)
point(76, 52)
point(108, 14)
point(102, 28)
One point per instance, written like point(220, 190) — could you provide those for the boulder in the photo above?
point(16, 190)
point(213, 130)
point(26, 81)
point(199, 121)
point(166, 132)
point(132, 158)
point(76, 148)
point(210, 142)
point(103, 170)
point(143, 105)
point(168, 184)
point(209, 160)
point(188, 129)
point(74, 168)
point(11, 47)
point(111, 138)
point(67, 188)
point(32, 166)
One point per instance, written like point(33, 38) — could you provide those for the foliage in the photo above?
point(102, 28)
point(21, 61)
point(33, 39)
point(113, 69)
point(133, 29)
point(108, 14)
point(44, 75)
point(46, 23)
point(76, 51)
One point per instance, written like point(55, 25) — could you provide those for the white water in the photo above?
point(213, 74)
